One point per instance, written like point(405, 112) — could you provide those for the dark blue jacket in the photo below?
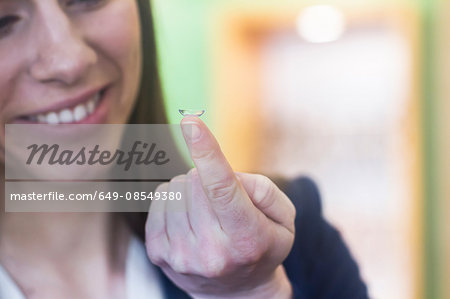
point(319, 266)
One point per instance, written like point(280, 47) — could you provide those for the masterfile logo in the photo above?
point(52, 154)
point(91, 168)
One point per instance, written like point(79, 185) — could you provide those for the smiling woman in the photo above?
point(94, 62)
point(88, 52)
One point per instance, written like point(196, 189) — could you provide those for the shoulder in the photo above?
point(320, 265)
point(305, 195)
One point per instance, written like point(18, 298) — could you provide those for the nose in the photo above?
point(61, 54)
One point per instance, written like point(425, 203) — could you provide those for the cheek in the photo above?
point(117, 37)
point(6, 85)
point(13, 84)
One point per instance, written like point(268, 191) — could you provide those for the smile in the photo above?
point(68, 115)
point(75, 113)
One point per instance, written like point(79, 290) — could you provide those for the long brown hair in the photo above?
point(149, 108)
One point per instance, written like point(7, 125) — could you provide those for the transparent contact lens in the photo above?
point(191, 112)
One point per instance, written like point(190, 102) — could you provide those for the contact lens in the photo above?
point(191, 112)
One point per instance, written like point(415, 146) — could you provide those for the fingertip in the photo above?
point(191, 119)
point(192, 128)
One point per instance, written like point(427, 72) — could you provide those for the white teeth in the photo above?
point(65, 116)
point(90, 106)
point(92, 103)
point(80, 112)
point(52, 118)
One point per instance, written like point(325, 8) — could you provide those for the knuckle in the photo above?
point(214, 266)
point(251, 255)
point(223, 190)
point(250, 251)
point(204, 155)
point(153, 254)
point(179, 263)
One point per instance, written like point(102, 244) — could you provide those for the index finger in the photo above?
point(206, 154)
point(216, 175)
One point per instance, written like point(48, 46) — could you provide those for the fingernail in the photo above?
point(191, 131)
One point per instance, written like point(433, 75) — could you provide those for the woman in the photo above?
point(93, 61)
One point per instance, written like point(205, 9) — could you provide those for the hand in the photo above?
point(234, 234)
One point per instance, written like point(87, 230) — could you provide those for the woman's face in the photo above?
point(68, 61)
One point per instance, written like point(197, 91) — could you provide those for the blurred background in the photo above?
point(352, 93)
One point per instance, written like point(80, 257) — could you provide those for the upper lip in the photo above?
point(68, 102)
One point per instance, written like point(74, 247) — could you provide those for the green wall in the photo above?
point(434, 257)
point(181, 30)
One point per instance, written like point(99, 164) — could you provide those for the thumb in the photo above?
point(269, 199)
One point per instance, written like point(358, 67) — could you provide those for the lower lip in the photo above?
point(98, 116)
